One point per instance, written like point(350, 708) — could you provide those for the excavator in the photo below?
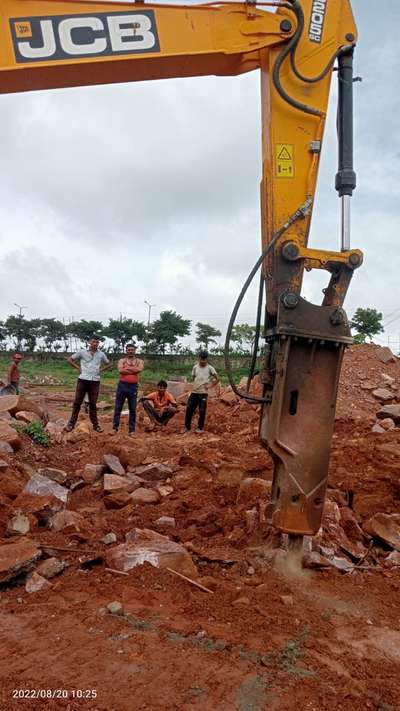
point(297, 45)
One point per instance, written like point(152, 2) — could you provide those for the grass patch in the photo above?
point(35, 430)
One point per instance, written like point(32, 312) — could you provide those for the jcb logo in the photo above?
point(52, 38)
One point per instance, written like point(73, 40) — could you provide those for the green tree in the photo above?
point(368, 323)
point(3, 334)
point(123, 330)
point(83, 330)
point(243, 335)
point(165, 331)
point(52, 331)
point(206, 334)
point(23, 332)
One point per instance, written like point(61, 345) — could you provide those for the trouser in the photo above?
point(160, 417)
point(15, 385)
point(91, 388)
point(125, 391)
point(196, 400)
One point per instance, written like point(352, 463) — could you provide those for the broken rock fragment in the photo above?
point(19, 525)
point(51, 567)
point(42, 486)
point(166, 521)
point(154, 472)
point(27, 417)
point(16, 558)
point(92, 472)
point(383, 394)
point(145, 546)
point(385, 527)
point(35, 583)
point(392, 411)
point(113, 464)
point(57, 475)
point(67, 521)
point(113, 482)
point(10, 436)
point(385, 355)
point(117, 500)
point(145, 496)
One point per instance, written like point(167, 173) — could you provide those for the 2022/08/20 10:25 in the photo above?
point(54, 694)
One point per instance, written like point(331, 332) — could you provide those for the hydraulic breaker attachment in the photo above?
point(301, 375)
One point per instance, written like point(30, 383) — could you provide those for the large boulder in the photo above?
point(16, 558)
point(9, 435)
point(145, 546)
point(385, 527)
point(19, 403)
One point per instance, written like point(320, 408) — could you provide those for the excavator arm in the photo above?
point(46, 44)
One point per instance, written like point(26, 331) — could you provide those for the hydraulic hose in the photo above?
point(300, 212)
point(257, 332)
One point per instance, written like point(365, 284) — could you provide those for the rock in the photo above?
point(368, 385)
point(145, 496)
point(385, 355)
point(341, 563)
point(154, 472)
point(113, 482)
point(3, 466)
point(67, 521)
point(383, 395)
point(385, 527)
point(377, 429)
point(42, 486)
point(81, 433)
point(350, 525)
point(27, 417)
point(145, 546)
point(9, 435)
point(108, 539)
point(42, 507)
point(19, 525)
point(12, 483)
point(392, 411)
point(388, 379)
point(92, 472)
point(55, 430)
point(113, 464)
point(19, 403)
point(6, 448)
point(230, 474)
point(117, 500)
point(115, 608)
point(35, 583)
point(316, 561)
point(287, 600)
point(228, 397)
point(51, 567)
point(166, 521)
point(54, 474)
point(387, 423)
point(393, 559)
point(164, 489)
point(253, 490)
point(16, 558)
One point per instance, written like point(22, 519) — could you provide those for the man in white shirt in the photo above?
point(92, 362)
point(204, 377)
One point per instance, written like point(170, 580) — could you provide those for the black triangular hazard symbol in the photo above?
point(284, 154)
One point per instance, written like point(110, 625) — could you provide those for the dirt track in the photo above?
point(269, 635)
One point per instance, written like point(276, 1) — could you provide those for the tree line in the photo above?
point(162, 336)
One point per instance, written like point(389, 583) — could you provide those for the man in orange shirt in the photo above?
point(160, 405)
point(129, 369)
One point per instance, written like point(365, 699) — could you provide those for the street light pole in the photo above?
point(21, 309)
point(149, 306)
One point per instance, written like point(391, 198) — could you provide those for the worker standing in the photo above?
point(13, 375)
point(204, 377)
point(129, 369)
point(92, 363)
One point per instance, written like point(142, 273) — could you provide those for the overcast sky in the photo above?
point(113, 195)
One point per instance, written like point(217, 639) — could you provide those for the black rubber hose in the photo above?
point(257, 332)
point(287, 50)
point(301, 212)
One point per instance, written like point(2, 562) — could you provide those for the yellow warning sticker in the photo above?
point(284, 160)
point(23, 29)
